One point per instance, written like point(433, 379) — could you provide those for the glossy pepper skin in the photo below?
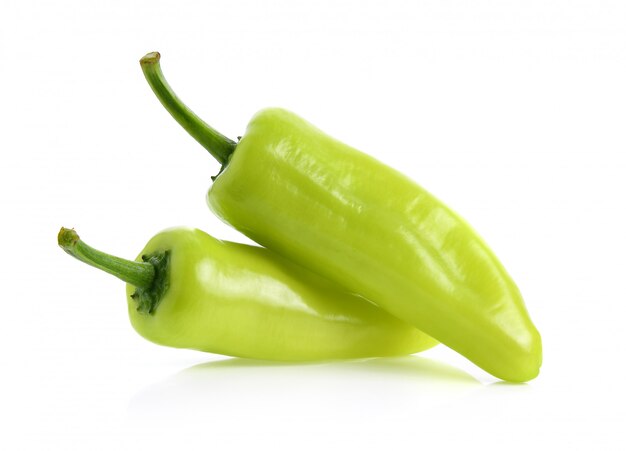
point(245, 301)
point(343, 214)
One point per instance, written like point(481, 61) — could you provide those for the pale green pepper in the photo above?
point(189, 290)
point(350, 218)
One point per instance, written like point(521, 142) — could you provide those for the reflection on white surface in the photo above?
point(221, 390)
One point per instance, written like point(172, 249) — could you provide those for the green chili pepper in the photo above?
point(189, 290)
point(348, 217)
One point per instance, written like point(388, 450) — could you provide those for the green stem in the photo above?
point(218, 145)
point(139, 274)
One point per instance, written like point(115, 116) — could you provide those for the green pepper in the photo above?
point(350, 218)
point(189, 290)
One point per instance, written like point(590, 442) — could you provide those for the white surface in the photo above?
point(512, 112)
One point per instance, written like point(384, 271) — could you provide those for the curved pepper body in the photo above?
point(246, 301)
point(348, 217)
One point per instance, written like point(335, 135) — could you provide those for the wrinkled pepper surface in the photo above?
point(187, 289)
point(345, 215)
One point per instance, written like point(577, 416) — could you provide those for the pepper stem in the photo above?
point(218, 145)
point(138, 274)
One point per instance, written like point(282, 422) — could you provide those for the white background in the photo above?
point(513, 113)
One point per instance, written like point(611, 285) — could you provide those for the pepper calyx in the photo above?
point(148, 298)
